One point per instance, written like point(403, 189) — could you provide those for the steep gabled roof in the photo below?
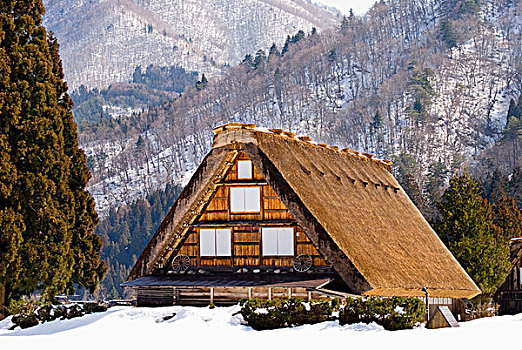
point(348, 203)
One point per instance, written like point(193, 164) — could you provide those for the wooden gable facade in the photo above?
point(270, 214)
point(244, 229)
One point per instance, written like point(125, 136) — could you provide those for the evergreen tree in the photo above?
point(412, 189)
point(467, 228)
point(273, 51)
point(285, 47)
point(496, 188)
point(201, 84)
point(260, 58)
point(47, 218)
point(508, 220)
point(448, 34)
point(515, 186)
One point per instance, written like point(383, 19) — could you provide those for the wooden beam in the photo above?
point(243, 223)
point(243, 183)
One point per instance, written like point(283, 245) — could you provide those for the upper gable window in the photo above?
point(245, 200)
point(214, 242)
point(244, 169)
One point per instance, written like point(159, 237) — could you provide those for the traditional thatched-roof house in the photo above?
point(509, 295)
point(268, 213)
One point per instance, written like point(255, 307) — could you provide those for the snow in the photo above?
point(219, 328)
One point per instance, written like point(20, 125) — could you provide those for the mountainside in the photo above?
point(102, 42)
point(424, 83)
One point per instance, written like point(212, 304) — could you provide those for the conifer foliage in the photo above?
point(47, 218)
point(468, 228)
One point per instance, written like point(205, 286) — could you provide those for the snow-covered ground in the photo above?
point(204, 328)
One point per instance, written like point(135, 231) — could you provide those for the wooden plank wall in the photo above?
point(509, 296)
point(246, 240)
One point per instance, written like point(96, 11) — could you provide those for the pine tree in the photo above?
point(47, 217)
point(497, 186)
point(508, 220)
point(515, 186)
point(412, 189)
point(467, 228)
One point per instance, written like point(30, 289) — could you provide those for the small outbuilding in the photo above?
point(509, 295)
point(269, 214)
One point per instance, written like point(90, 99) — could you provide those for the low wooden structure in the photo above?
point(270, 214)
point(509, 295)
point(442, 318)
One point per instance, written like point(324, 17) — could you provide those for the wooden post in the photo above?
point(211, 295)
point(249, 293)
point(309, 296)
point(427, 296)
point(289, 292)
point(269, 293)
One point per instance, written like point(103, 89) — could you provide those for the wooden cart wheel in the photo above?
point(302, 263)
point(180, 262)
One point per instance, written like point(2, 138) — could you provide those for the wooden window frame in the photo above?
point(251, 176)
point(215, 229)
point(278, 255)
point(260, 202)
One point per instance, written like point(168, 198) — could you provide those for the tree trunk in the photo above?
point(2, 300)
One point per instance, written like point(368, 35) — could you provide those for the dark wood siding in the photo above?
point(509, 295)
point(246, 245)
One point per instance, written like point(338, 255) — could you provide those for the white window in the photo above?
point(278, 241)
point(244, 169)
point(245, 199)
point(214, 242)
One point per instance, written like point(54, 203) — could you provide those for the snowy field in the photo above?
point(201, 328)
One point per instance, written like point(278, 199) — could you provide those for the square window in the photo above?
point(244, 169)
point(245, 199)
point(278, 241)
point(214, 242)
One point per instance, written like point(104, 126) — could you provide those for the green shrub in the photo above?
point(89, 308)
point(278, 313)
point(392, 313)
point(46, 313)
point(25, 321)
point(74, 311)
point(29, 313)
point(24, 312)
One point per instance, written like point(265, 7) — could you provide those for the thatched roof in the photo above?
point(348, 203)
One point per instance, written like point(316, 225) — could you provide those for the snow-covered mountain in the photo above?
point(102, 41)
point(389, 83)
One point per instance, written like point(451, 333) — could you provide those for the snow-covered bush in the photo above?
point(263, 314)
point(391, 313)
point(29, 313)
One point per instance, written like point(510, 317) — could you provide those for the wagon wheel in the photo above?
point(302, 263)
point(180, 262)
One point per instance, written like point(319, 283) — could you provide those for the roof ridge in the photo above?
point(300, 138)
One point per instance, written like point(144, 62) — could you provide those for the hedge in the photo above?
point(261, 314)
point(392, 313)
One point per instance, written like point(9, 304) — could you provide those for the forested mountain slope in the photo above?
point(424, 83)
point(102, 42)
